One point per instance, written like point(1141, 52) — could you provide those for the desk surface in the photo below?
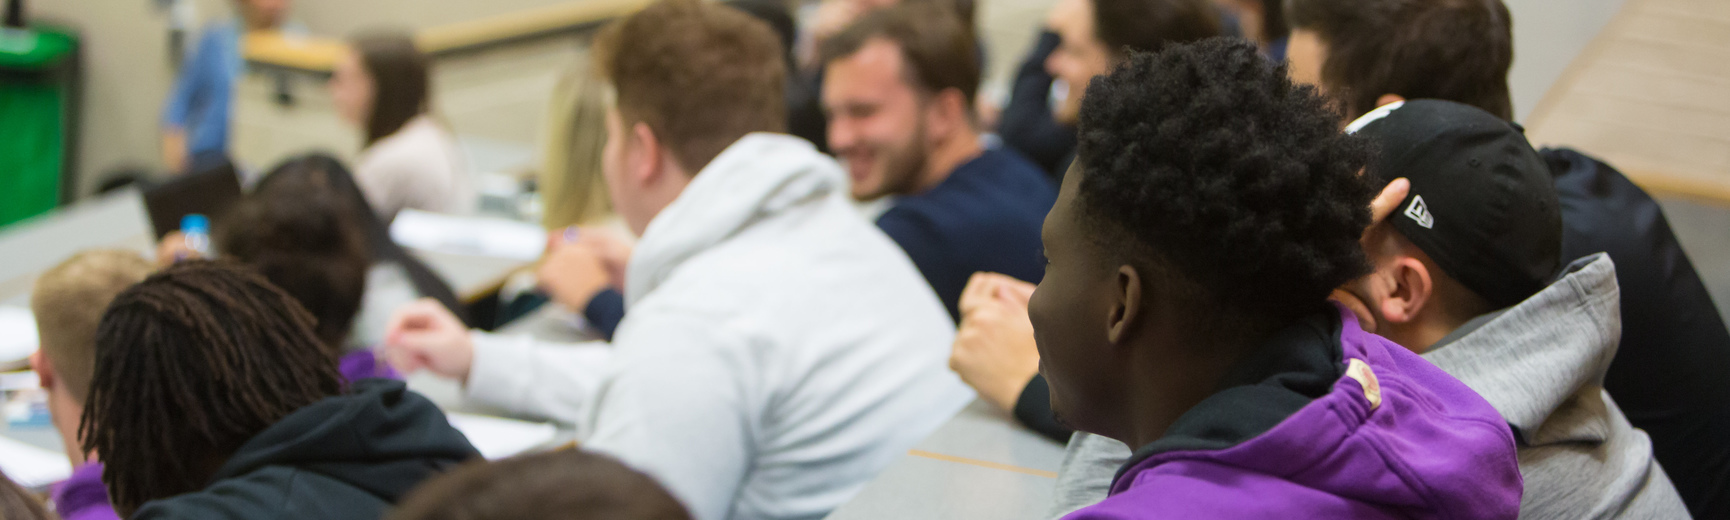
point(120, 220)
point(978, 465)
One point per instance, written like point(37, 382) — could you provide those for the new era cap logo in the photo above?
point(1420, 213)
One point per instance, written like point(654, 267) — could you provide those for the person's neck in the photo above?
point(1174, 379)
point(949, 155)
point(1421, 335)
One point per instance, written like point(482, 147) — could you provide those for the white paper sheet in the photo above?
point(18, 333)
point(478, 236)
point(497, 438)
point(30, 466)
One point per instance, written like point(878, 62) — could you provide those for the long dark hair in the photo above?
point(190, 364)
point(399, 76)
point(325, 170)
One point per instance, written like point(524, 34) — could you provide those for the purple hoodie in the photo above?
point(1326, 424)
point(82, 496)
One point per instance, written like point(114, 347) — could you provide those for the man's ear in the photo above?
point(1389, 99)
point(1411, 291)
point(44, 369)
point(1126, 309)
point(645, 158)
point(949, 112)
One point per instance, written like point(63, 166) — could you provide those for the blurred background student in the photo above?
point(297, 219)
point(195, 121)
point(409, 159)
point(68, 302)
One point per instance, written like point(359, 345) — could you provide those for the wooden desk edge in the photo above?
point(982, 463)
point(319, 55)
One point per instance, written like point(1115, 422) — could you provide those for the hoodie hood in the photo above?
point(759, 175)
point(380, 438)
point(1541, 363)
point(1326, 421)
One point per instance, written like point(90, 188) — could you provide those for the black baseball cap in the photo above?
point(1483, 205)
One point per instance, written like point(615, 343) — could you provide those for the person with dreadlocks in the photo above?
point(212, 397)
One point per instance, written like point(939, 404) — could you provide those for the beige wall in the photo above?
point(126, 75)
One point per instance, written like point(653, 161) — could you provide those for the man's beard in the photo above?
point(904, 166)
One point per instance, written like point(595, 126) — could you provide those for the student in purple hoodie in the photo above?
point(1211, 209)
point(68, 301)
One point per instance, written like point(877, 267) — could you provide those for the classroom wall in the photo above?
point(126, 75)
point(128, 70)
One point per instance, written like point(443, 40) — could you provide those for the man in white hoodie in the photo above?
point(780, 350)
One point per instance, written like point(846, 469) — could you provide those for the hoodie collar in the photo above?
point(1297, 365)
point(760, 175)
point(379, 437)
point(1541, 363)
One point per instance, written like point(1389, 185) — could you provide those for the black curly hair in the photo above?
point(1232, 185)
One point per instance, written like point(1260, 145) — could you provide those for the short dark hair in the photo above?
point(400, 80)
point(700, 74)
point(190, 364)
point(1150, 25)
point(302, 235)
point(1223, 177)
point(566, 484)
point(938, 51)
point(1455, 50)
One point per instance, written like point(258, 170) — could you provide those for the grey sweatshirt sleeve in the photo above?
point(1089, 463)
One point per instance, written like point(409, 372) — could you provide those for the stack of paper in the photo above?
point(17, 334)
point(30, 466)
point(478, 236)
point(497, 438)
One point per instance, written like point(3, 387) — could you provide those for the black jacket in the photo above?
point(345, 457)
point(1669, 372)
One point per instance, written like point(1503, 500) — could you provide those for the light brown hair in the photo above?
point(572, 187)
point(564, 485)
point(700, 74)
point(68, 302)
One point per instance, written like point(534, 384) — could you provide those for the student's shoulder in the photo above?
point(1202, 489)
point(272, 492)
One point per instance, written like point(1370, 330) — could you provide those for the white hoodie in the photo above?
point(778, 353)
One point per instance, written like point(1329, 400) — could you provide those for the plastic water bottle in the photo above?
point(196, 227)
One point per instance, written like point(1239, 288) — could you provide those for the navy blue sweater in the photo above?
point(985, 217)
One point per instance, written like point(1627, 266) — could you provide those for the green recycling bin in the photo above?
point(38, 108)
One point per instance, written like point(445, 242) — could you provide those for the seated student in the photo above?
point(300, 234)
point(213, 398)
point(780, 350)
point(1090, 37)
point(68, 301)
point(1674, 349)
point(1082, 39)
point(1460, 277)
point(900, 101)
point(409, 160)
point(1184, 311)
point(560, 485)
point(395, 276)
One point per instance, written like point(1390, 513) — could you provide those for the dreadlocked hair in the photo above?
point(190, 364)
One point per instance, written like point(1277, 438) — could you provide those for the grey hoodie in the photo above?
point(1540, 363)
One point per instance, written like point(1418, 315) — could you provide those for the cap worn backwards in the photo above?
point(1482, 203)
